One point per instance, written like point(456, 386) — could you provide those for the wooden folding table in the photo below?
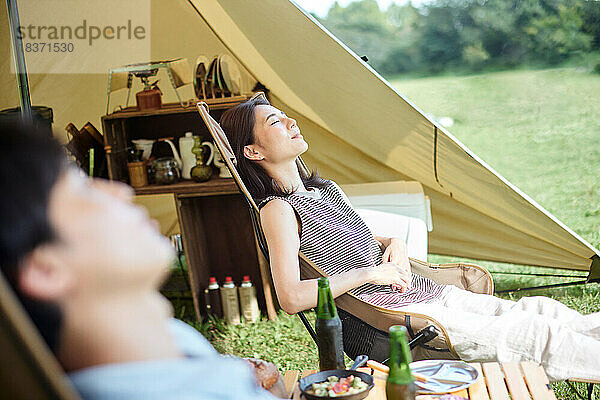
point(497, 381)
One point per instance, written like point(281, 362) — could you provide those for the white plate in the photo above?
point(231, 73)
point(219, 74)
point(444, 376)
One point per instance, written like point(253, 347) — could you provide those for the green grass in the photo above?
point(538, 128)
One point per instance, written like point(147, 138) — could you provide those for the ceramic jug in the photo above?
point(175, 153)
point(145, 145)
point(202, 171)
point(188, 158)
point(220, 163)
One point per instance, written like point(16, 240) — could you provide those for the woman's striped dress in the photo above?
point(335, 238)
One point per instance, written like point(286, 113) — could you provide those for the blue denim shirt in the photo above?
point(203, 374)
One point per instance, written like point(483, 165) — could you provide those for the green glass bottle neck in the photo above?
point(325, 305)
point(400, 359)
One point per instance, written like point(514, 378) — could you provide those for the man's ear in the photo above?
point(42, 277)
point(251, 153)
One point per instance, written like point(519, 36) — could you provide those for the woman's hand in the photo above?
point(390, 274)
point(395, 253)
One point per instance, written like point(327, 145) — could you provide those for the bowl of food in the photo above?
point(348, 384)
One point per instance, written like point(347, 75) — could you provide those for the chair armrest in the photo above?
point(471, 277)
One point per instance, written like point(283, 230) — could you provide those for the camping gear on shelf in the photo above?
point(200, 70)
point(86, 145)
point(138, 174)
point(218, 78)
point(202, 171)
point(169, 141)
point(229, 298)
point(248, 302)
point(328, 327)
point(145, 145)
point(165, 171)
point(178, 71)
point(188, 158)
point(306, 383)
point(230, 73)
point(150, 98)
point(400, 381)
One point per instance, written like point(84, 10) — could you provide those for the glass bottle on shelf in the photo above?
point(202, 171)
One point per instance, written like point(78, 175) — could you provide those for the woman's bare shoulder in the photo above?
point(276, 207)
point(277, 214)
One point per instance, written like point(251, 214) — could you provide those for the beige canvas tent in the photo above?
point(359, 128)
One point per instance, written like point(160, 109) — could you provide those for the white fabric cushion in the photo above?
point(412, 230)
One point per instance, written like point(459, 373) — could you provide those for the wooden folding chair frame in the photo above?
point(28, 369)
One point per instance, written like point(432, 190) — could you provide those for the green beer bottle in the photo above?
point(400, 382)
point(329, 330)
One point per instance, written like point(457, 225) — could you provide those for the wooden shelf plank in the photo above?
point(537, 381)
point(175, 108)
point(215, 186)
point(495, 381)
point(478, 390)
point(514, 381)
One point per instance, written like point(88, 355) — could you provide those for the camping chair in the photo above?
point(28, 369)
point(365, 326)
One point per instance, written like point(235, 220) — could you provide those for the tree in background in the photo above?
point(591, 21)
point(363, 27)
point(403, 56)
point(466, 34)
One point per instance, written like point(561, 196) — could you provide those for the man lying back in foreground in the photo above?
point(87, 265)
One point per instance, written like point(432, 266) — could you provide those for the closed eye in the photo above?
point(274, 122)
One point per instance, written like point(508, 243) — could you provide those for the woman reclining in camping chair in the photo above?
point(302, 212)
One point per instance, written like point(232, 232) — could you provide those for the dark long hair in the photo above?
point(238, 125)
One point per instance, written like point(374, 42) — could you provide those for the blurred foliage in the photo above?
point(466, 34)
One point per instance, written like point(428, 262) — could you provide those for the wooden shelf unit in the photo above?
point(215, 222)
point(215, 186)
point(171, 120)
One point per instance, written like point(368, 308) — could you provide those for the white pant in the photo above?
point(486, 328)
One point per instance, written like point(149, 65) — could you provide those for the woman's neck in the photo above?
point(287, 176)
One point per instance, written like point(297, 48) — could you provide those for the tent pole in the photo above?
point(555, 285)
point(19, 59)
